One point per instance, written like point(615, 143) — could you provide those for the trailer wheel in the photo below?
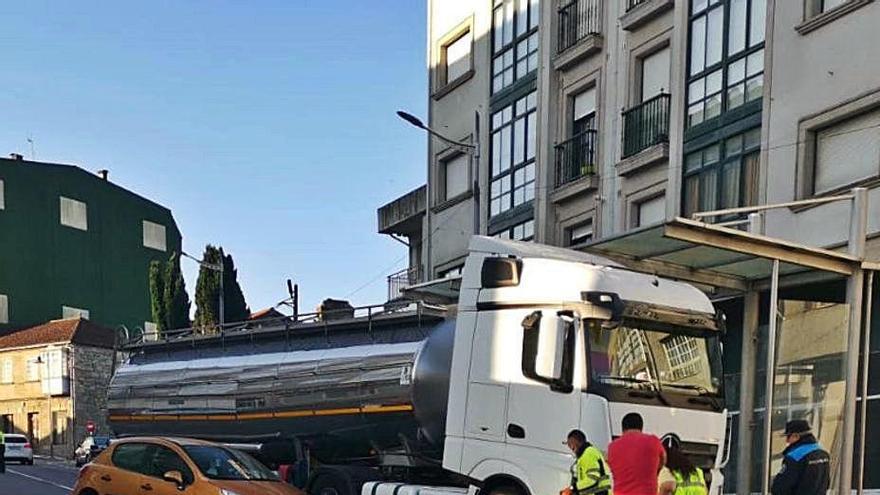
point(330, 485)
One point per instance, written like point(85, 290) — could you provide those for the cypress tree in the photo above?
point(176, 300)
point(236, 308)
point(207, 291)
point(157, 294)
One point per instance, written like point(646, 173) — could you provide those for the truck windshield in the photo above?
point(632, 356)
point(219, 463)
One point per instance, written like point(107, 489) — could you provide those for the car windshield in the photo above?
point(634, 357)
point(220, 463)
point(15, 439)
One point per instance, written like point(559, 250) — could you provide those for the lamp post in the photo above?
point(218, 268)
point(472, 149)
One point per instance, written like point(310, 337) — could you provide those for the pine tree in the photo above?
point(207, 291)
point(175, 299)
point(236, 308)
point(157, 294)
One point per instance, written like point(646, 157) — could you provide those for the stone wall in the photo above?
point(91, 373)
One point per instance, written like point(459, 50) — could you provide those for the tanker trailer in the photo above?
point(478, 395)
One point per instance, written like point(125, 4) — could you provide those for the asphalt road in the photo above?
point(43, 478)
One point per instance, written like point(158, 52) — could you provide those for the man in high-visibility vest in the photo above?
point(589, 473)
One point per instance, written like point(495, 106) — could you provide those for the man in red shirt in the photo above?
point(635, 459)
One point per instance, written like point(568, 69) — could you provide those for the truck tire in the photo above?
point(505, 490)
point(330, 485)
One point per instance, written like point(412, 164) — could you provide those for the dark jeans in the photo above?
point(2, 458)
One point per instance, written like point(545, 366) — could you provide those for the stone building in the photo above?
point(53, 380)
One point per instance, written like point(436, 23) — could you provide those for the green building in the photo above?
point(73, 243)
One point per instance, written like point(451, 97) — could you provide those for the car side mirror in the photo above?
point(175, 477)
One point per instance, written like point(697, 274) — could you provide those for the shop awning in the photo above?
point(719, 256)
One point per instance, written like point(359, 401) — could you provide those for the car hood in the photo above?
point(258, 487)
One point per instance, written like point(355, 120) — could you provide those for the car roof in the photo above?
point(17, 435)
point(181, 441)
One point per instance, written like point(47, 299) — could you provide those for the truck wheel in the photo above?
point(329, 485)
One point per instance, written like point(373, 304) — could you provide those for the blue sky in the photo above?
point(267, 127)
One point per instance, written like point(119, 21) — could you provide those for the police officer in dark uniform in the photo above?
point(805, 465)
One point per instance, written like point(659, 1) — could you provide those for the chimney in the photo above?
point(16, 156)
point(104, 173)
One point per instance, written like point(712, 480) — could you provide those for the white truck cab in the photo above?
point(548, 340)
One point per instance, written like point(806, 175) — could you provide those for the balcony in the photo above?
point(580, 28)
point(576, 158)
point(640, 12)
point(646, 125)
point(401, 280)
point(403, 216)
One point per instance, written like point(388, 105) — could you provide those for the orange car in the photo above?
point(166, 466)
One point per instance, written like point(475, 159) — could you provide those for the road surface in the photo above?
point(43, 478)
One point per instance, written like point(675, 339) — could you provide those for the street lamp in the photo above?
point(472, 149)
point(218, 268)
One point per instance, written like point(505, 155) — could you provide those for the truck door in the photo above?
point(543, 404)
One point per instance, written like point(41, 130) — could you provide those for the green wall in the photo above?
point(45, 265)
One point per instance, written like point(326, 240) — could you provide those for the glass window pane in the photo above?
point(508, 21)
point(693, 161)
point(519, 196)
point(457, 176)
point(507, 114)
point(698, 5)
point(496, 153)
point(695, 114)
point(753, 139)
point(530, 191)
point(691, 194)
point(530, 172)
point(458, 57)
point(713, 107)
point(750, 179)
point(522, 17)
point(708, 189)
point(733, 146)
point(532, 100)
point(757, 25)
point(497, 29)
point(755, 63)
point(736, 38)
point(519, 177)
point(531, 134)
point(735, 96)
point(755, 88)
point(535, 14)
point(713, 82)
point(504, 149)
point(697, 90)
point(698, 45)
point(730, 185)
point(495, 207)
point(714, 35)
point(710, 154)
point(736, 71)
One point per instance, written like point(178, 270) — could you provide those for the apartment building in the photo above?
point(53, 381)
point(73, 243)
point(597, 118)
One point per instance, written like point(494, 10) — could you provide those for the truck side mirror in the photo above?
point(547, 343)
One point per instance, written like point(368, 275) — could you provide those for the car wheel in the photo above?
point(329, 485)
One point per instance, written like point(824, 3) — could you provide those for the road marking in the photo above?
point(35, 478)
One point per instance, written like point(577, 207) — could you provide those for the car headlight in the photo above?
point(224, 491)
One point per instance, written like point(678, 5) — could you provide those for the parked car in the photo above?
point(18, 449)
point(177, 465)
point(90, 448)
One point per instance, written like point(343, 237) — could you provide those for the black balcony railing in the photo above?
point(401, 280)
point(631, 4)
point(646, 124)
point(576, 157)
point(577, 20)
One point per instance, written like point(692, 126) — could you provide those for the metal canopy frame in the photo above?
point(748, 262)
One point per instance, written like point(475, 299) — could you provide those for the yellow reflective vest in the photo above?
point(695, 484)
point(589, 474)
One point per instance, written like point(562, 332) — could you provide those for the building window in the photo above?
point(514, 41)
point(847, 152)
point(580, 233)
point(723, 175)
point(2, 195)
point(450, 272)
point(583, 116)
point(71, 312)
point(524, 231)
point(683, 356)
point(455, 57)
point(4, 308)
point(7, 370)
point(513, 155)
point(33, 370)
point(655, 74)
point(154, 235)
point(726, 56)
point(74, 213)
point(151, 331)
point(816, 7)
point(455, 176)
point(650, 211)
point(632, 360)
